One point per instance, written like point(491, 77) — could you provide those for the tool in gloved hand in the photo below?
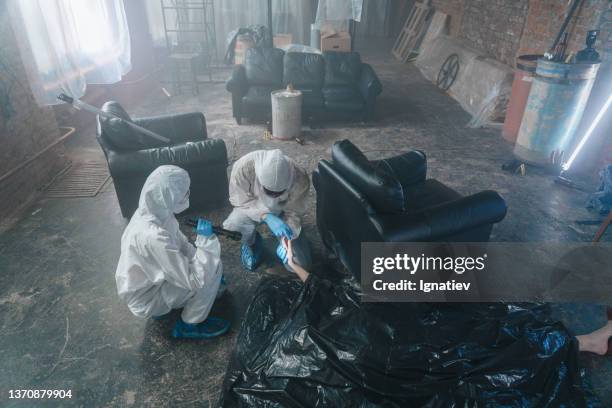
point(80, 105)
point(278, 227)
point(281, 252)
point(233, 235)
point(204, 227)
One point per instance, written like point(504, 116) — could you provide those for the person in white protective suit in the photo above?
point(268, 187)
point(159, 270)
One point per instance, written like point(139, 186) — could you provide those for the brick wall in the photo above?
point(454, 8)
point(505, 29)
point(25, 129)
point(545, 18)
point(495, 26)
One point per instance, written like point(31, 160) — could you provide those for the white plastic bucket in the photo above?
point(286, 114)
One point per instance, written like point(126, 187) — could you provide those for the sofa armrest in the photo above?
point(187, 155)
point(369, 84)
point(238, 83)
point(408, 168)
point(434, 223)
point(179, 128)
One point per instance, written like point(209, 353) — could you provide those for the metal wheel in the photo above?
point(448, 72)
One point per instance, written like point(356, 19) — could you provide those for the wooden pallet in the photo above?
point(412, 31)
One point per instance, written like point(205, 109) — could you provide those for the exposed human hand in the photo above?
point(281, 252)
point(287, 245)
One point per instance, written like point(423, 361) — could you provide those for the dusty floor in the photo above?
point(64, 328)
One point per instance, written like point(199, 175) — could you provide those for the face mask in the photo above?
point(273, 194)
point(182, 205)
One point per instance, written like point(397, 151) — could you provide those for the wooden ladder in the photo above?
point(412, 30)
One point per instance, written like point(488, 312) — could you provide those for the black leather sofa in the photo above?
point(391, 200)
point(132, 156)
point(333, 84)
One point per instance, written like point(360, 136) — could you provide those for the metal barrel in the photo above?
point(558, 96)
point(523, 78)
point(286, 114)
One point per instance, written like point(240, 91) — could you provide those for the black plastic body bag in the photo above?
point(316, 344)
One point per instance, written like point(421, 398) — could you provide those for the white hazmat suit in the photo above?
point(272, 170)
point(159, 270)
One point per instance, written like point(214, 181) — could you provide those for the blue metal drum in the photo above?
point(556, 102)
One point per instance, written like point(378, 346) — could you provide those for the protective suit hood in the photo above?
point(273, 170)
point(164, 193)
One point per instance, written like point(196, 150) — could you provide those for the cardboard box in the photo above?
point(336, 41)
point(280, 40)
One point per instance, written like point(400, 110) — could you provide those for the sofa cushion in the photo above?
point(348, 105)
point(303, 70)
point(341, 93)
point(384, 191)
point(427, 194)
point(312, 98)
point(342, 68)
point(264, 66)
point(259, 95)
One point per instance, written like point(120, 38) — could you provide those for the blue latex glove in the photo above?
point(281, 252)
point(204, 228)
point(278, 227)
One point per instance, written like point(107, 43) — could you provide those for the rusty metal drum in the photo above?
point(558, 96)
point(523, 78)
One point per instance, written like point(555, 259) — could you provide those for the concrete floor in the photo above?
point(63, 326)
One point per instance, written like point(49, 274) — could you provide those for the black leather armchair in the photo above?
point(333, 84)
point(391, 200)
point(132, 156)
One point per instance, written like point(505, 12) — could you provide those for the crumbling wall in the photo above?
point(454, 8)
point(495, 26)
point(25, 129)
point(545, 18)
point(506, 29)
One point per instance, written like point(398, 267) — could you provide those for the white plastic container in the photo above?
point(286, 114)
point(315, 36)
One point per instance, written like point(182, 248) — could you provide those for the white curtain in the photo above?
point(332, 11)
point(66, 44)
point(375, 17)
point(288, 17)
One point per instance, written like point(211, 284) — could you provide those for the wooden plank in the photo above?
point(411, 32)
point(437, 25)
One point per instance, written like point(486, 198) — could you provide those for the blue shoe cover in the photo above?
point(208, 329)
point(251, 256)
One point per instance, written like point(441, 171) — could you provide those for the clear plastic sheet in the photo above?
point(317, 345)
point(301, 48)
point(375, 18)
point(336, 10)
point(334, 14)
